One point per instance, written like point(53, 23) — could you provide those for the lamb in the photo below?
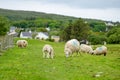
point(22, 43)
point(71, 46)
point(48, 51)
point(86, 48)
point(101, 50)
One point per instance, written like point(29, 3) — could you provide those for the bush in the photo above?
point(114, 36)
point(97, 39)
point(49, 39)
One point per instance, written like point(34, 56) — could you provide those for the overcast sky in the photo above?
point(97, 9)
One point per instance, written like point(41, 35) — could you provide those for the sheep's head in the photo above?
point(94, 52)
point(91, 52)
point(67, 52)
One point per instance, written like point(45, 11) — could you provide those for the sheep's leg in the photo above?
point(52, 55)
point(22, 46)
point(48, 55)
point(104, 54)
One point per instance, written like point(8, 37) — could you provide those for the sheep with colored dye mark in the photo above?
point(71, 46)
point(100, 50)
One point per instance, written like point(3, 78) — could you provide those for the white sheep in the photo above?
point(48, 51)
point(71, 46)
point(22, 43)
point(86, 48)
point(101, 50)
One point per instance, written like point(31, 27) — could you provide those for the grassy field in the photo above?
point(28, 64)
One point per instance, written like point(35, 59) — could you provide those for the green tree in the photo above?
point(97, 38)
point(4, 25)
point(41, 30)
point(114, 35)
point(66, 33)
point(80, 30)
point(97, 26)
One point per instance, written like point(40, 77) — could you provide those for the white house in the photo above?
point(42, 35)
point(56, 38)
point(25, 35)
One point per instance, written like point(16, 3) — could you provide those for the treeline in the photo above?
point(40, 23)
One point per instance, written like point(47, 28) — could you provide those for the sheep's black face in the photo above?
point(92, 53)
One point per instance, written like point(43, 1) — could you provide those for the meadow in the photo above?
point(28, 64)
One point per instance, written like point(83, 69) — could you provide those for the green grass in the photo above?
point(28, 64)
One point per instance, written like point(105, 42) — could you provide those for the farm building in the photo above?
point(56, 38)
point(42, 35)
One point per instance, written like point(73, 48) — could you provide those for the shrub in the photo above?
point(49, 39)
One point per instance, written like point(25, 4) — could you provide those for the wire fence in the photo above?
point(6, 42)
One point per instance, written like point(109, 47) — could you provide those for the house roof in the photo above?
point(45, 33)
point(26, 34)
point(55, 36)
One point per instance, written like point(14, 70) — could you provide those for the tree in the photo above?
point(3, 25)
point(78, 30)
point(97, 37)
point(66, 33)
point(41, 30)
point(114, 35)
point(97, 26)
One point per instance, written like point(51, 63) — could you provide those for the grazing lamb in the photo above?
point(22, 43)
point(71, 46)
point(86, 48)
point(101, 50)
point(48, 51)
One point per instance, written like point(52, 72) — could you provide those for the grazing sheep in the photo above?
point(71, 46)
point(101, 50)
point(48, 51)
point(22, 43)
point(86, 48)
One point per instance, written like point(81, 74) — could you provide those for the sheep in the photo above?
point(22, 43)
point(86, 48)
point(48, 51)
point(100, 50)
point(71, 46)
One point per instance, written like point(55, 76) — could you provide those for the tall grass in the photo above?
point(28, 64)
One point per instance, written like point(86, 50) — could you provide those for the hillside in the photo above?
point(20, 15)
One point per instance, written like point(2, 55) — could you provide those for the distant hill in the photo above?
point(20, 15)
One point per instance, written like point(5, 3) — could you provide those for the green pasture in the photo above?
point(28, 64)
